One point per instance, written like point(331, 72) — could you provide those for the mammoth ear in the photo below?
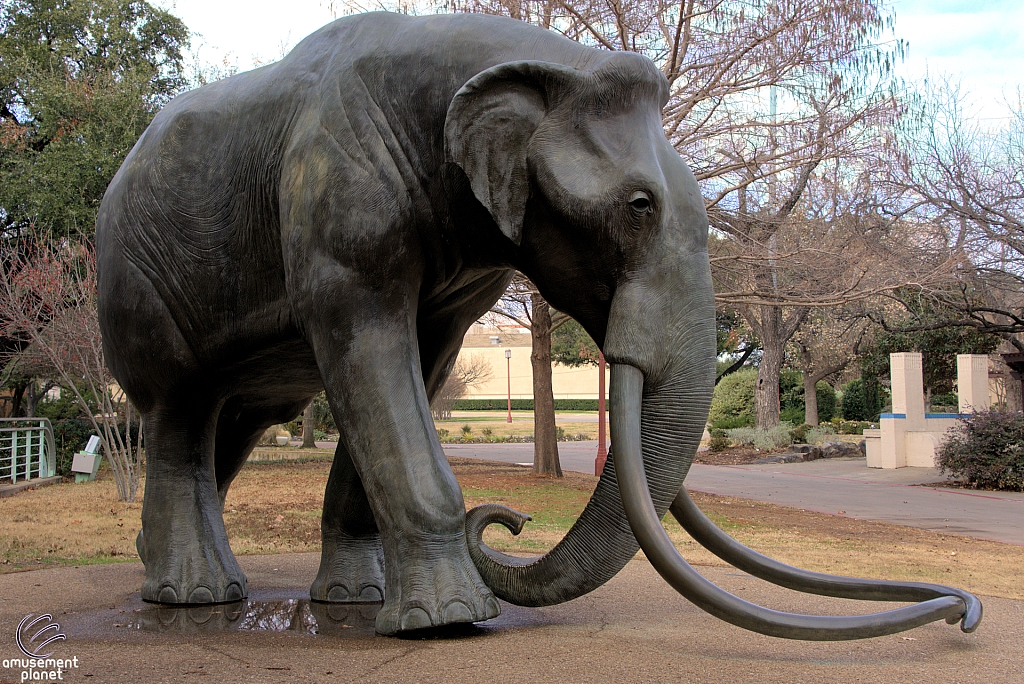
point(489, 125)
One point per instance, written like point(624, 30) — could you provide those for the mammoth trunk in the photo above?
point(601, 542)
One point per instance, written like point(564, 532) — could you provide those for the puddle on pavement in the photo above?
point(293, 616)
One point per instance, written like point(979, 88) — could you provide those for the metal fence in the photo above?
point(26, 449)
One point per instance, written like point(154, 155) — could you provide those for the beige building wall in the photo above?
point(489, 344)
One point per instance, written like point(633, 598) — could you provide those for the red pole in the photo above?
point(602, 448)
point(508, 365)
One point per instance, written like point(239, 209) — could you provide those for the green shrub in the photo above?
point(791, 398)
point(65, 408)
point(863, 400)
point(719, 440)
point(323, 419)
point(986, 449)
point(467, 430)
point(817, 435)
point(826, 400)
point(791, 392)
point(850, 427)
point(945, 403)
point(734, 398)
point(763, 439)
point(793, 414)
point(487, 432)
point(799, 433)
point(442, 433)
point(734, 422)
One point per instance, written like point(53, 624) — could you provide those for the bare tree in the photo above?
point(48, 297)
point(961, 180)
point(466, 373)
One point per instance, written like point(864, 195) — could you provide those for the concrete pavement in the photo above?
point(633, 629)
point(828, 486)
point(849, 487)
point(575, 456)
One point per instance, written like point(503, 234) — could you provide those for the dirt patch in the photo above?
point(957, 484)
point(738, 455)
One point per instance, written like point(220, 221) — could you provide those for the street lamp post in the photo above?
point(602, 449)
point(508, 365)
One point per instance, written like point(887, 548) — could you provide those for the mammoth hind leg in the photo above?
point(352, 558)
point(184, 544)
point(708, 535)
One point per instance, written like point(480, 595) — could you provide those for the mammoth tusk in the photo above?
point(626, 392)
point(708, 535)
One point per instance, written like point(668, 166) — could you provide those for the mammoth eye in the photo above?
point(641, 202)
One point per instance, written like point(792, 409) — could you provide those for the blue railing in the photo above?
point(26, 449)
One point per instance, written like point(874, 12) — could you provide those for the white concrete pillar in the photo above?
point(972, 382)
point(907, 388)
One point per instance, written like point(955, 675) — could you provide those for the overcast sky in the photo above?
point(979, 42)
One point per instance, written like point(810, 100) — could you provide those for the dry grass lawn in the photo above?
point(275, 508)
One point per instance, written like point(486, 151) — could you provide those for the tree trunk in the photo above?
point(545, 438)
point(774, 329)
point(17, 395)
point(810, 386)
point(33, 395)
point(766, 394)
point(308, 428)
point(810, 399)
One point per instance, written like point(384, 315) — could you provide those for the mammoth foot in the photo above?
point(199, 573)
point(351, 571)
point(435, 584)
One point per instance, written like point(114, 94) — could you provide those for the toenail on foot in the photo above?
point(415, 618)
point(201, 595)
point(491, 607)
point(167, 595)
point(457, 611)
point(234, 592)
point(337, 594)
point(370, 594)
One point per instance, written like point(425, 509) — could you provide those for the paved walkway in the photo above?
point(633, 629)
point(828, 486)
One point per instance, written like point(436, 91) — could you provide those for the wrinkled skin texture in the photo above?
point(338, 220)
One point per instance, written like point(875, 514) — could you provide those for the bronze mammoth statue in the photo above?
point(337, 221)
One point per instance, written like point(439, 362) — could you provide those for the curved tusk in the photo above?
point(708, 535)
point(626, 392)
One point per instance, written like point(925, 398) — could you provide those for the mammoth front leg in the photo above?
point(369, 362)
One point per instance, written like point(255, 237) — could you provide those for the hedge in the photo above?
point(523, 405)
